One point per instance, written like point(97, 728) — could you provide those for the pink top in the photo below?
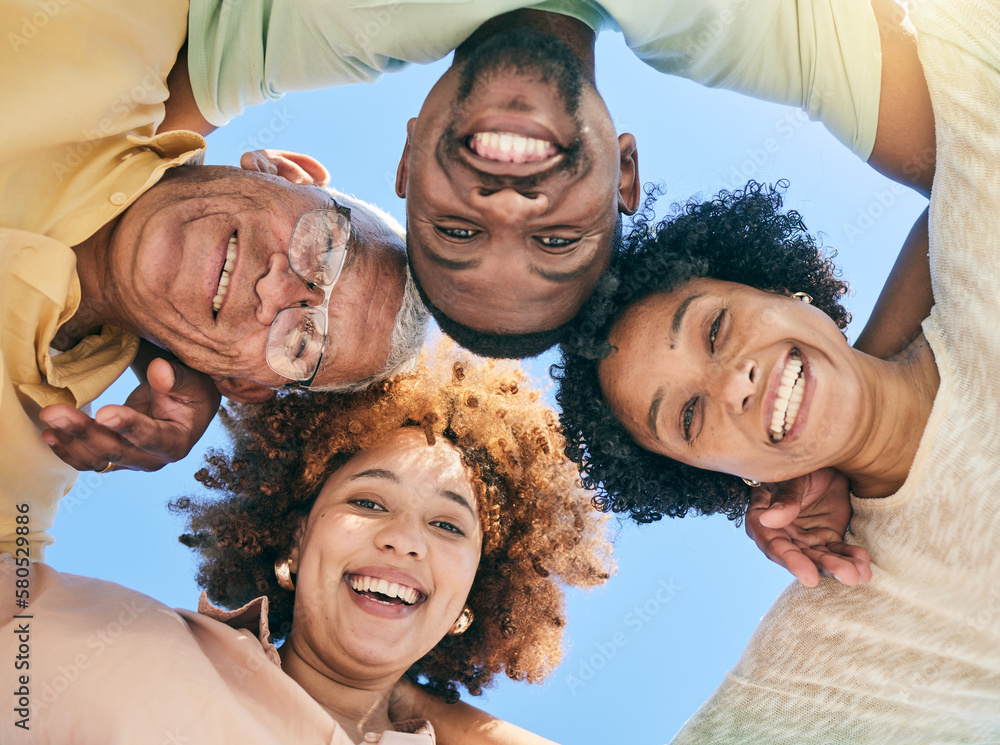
point(89, 661)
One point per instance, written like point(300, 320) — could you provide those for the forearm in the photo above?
point(906, 299)
point(181, 109)
point(904, 147)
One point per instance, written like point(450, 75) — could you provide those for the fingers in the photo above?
point(784, 504)
point(87, 445)
point(163, 377)
point(841, 562)
point(136, 431)
point(795, 561)
point(181, 394)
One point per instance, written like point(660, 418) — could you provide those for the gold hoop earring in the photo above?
point(462, 623)
point(284, 574)
point(750, 482)
point(803, 297)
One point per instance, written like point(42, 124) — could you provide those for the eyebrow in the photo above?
point(386, 475)
point(444, 263)
point(675, 325)
point(457, 266)
point(654, 412)
point(562, 277)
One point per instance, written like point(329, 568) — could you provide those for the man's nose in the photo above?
point(508, 205)
point(282, 288)
point(738, 384)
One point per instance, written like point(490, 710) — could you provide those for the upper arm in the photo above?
point(904, 147)
point(181, 108)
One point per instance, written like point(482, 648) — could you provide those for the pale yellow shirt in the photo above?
point(83, 86)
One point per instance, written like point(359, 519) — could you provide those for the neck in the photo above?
point(576, 35)
point(357, 706)
point(902, 395)
point(97, 301)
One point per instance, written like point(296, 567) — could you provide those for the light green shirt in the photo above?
point(821, 55)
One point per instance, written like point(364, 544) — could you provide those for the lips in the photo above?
point(385, 591)
point(225, 275)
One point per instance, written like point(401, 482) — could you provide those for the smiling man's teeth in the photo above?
point(507, 147)
point(383, 587)
point(788, 399)
point(226, 271)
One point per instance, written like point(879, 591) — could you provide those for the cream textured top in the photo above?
point(914, 655)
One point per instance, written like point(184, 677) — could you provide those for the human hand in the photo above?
point(160, 422)
point(800, 524)
point(408, 700)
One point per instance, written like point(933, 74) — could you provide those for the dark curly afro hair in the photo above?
point(539, 529)
point(740, 236)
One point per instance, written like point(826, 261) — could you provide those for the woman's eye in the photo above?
point(451, 528)
point(714, 331)
point(368, 504)
point(555, 241)
point(687, 418)
point(461, 234)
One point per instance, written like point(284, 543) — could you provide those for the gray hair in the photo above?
point(410, 326)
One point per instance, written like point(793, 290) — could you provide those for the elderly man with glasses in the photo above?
point(110, 233)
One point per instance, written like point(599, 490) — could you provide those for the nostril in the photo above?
point(746, 401)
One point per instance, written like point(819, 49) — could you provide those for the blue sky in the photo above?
point(649, 647)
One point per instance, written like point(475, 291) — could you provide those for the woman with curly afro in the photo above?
point(422, 528)
point(714, 353)
point(419, 532)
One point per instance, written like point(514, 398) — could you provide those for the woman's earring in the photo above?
point(802, 297)
point(463, 622)
point(750, 482)
point(284, 574)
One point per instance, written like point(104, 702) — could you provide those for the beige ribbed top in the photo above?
point(914, 655)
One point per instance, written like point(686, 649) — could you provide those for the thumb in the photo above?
point(164, 376)
point(786, 503)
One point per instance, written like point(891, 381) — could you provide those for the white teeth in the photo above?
point(227, 269)
point(383, 587)
point(510, 147)
point(788, 398)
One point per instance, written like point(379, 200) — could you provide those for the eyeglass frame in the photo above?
point(305, 383)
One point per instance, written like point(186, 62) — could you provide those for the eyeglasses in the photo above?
point(316, 254)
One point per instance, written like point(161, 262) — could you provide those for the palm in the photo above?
point(800, 525)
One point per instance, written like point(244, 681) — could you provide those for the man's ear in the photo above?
point(630, 186)
point(244, 391)
point(403, 171)
point(295, 167)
